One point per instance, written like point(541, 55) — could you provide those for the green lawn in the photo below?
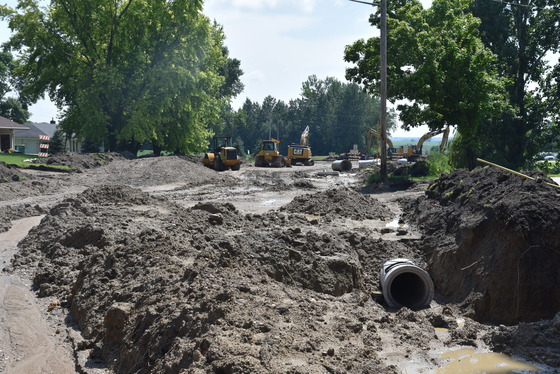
point(19, 160)
point(16, 159)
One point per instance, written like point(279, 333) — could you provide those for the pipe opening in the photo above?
point(405, 284)
point(409, 290)
point(342, 165)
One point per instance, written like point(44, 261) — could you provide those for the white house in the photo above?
point(7, 128)
point(34, 140)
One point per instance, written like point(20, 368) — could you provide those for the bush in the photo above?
point(548, 167)
point(438, 164)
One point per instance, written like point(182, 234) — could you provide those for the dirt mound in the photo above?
point(493, 243)
point(151, 171)
point(537, 341)
point(81, 161)
point(342, 202)
point(9, 173)
point(16, 212)
point(155, 287)
point(115, 194)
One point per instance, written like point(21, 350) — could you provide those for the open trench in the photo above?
point(29, 344)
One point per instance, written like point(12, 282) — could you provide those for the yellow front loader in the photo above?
point(269, 155)
point(224, 156)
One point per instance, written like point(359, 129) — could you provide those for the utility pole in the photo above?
point(383, 83)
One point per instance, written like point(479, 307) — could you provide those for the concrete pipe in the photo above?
point(364, 164)
point(342, 165)
point(405, 284)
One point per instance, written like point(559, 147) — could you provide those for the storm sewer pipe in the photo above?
point(364, 164)
point(342, 165)
point(405, 284)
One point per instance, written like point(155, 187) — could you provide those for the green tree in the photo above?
point(521, 34)
point(549, 137)
point(10, 107)
point(127, 71)
point(56, 144)
point(439, 64)
point(338, 114)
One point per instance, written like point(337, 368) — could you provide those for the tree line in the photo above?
point(338, 115)
point(134, 72)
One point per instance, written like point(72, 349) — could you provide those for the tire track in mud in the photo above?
point(28, 344)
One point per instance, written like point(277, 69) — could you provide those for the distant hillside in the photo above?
point(412, 139)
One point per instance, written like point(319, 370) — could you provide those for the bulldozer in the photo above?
point(269, 155)
point(301, 153)
point(224, 156)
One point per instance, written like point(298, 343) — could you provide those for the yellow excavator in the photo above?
point(413, 153)
point(269, 155)
point(369, 136)
point(224, 156)
point(301, 153)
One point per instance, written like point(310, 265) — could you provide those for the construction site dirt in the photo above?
point(161, 265)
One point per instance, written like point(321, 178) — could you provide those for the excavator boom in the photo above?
point(370, 134)
point(304, 139)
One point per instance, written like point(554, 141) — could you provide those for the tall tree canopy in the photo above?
point(10, 107)
point(127, 71)
point(523, 35)
point(437, 62)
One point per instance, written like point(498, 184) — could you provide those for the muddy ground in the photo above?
point(160, 265)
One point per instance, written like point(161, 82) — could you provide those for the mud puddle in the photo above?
point(469, 361)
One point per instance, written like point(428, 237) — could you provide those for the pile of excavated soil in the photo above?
point(342, 202)
point(9, 173)
point(492, 241)
point(155, 287)
point(152, 171)
point(81, 161)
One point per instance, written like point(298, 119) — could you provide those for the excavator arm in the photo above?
point(304, 139)
point(370, 134)
point(444, 138)
point(425, 137)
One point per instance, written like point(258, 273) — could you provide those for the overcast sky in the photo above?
point(280, 43)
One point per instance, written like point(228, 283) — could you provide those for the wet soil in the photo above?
point(161, 265)
point(499, 234)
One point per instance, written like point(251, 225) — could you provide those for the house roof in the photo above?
point(10, 125)
point(32, 132)
point(47, 128)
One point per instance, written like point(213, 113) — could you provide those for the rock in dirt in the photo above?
point(492, 240)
